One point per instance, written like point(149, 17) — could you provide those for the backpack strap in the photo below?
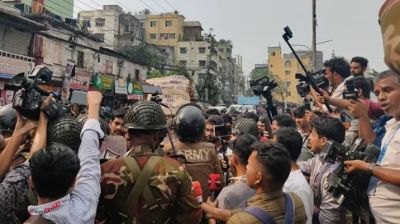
point(266, 218)
point(141, 187)
point(260, 214)
point(289, 209)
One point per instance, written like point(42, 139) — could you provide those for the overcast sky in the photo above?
point(255, 25)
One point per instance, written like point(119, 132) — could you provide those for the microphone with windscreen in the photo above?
point(198, 191)
point(214, 183)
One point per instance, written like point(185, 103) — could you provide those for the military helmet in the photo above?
point(245, 126)
point(189, 122)
point(66, 131)
point(145, 115)
point(8, 118)
point(81, 119)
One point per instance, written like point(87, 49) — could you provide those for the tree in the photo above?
point(257, 73)
point(144, 55)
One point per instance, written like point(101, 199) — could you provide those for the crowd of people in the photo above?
point(200, 166)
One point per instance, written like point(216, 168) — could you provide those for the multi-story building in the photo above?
point(164, 29)
point(114, 27)
point(284, 68)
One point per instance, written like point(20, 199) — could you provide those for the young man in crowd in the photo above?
point(325, 129)
point(67, 184)
point(358, 65)
point(235, 194)
point(304, 128)
point(267, 170)
point(116, 123)
point(296, 182)
point(282, 120)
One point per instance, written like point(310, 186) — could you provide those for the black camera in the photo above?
point(350, 190)
point(263, 86)
point(28, 99)
point(351, 93)
point(303, 88)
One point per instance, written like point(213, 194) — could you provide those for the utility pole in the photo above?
point(314, 34)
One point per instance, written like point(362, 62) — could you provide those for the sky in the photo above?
point(350, 26)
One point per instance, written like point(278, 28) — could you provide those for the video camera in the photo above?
point(304, 86)
point(351, 93)
point(263, 86)
point(308, 77)
point(28, 99)
point(350, 190)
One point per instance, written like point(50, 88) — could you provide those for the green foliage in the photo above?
point(143, 55)
point(259, 72)
point(213, 91)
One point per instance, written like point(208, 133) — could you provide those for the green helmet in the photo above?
point(66, 131)
point(145, 115)
point(246, 126)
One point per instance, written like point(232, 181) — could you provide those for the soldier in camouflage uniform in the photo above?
point(144, 187)
point(201, 156)
point(389, 17)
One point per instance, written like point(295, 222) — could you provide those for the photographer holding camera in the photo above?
point(384, 187)
point(337, 71)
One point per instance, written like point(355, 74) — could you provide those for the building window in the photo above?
point(109, 67)
point(183, 50)
point(182, 63)
point(288, 64)
point(100, 22)
point(80, 59)
point(137, 75)
point(202, 50)
point(202, 63)
point(272, 66)
point(168, 23)
point(171, 36)
point(163, 36)
point(273, 53)
point(99, 36)
point(153, 23)
point(287, 72)
point(153, 36)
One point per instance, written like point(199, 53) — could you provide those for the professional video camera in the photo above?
point(308, 78)
point(351, 93)
point(303, 88)
point(28, 99)
point(263, 86)
point(350, 190)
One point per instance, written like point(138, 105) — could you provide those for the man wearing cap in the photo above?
point(144, 187)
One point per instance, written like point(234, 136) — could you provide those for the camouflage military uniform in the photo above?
point(389, 17)
point(170, 186)
point(274, 204)
point(201, 160)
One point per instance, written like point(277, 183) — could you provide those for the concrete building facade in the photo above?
point(164, 29)
point(284, 67)
point(114, 27)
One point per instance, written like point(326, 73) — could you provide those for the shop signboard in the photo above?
point(121, 87)
point(102, 82)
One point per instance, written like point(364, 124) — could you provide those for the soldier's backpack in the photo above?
point(266, 218)
point(37, 219)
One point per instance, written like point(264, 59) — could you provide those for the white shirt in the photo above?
point(384, 200)
point(298, 184)
point(338, 93)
